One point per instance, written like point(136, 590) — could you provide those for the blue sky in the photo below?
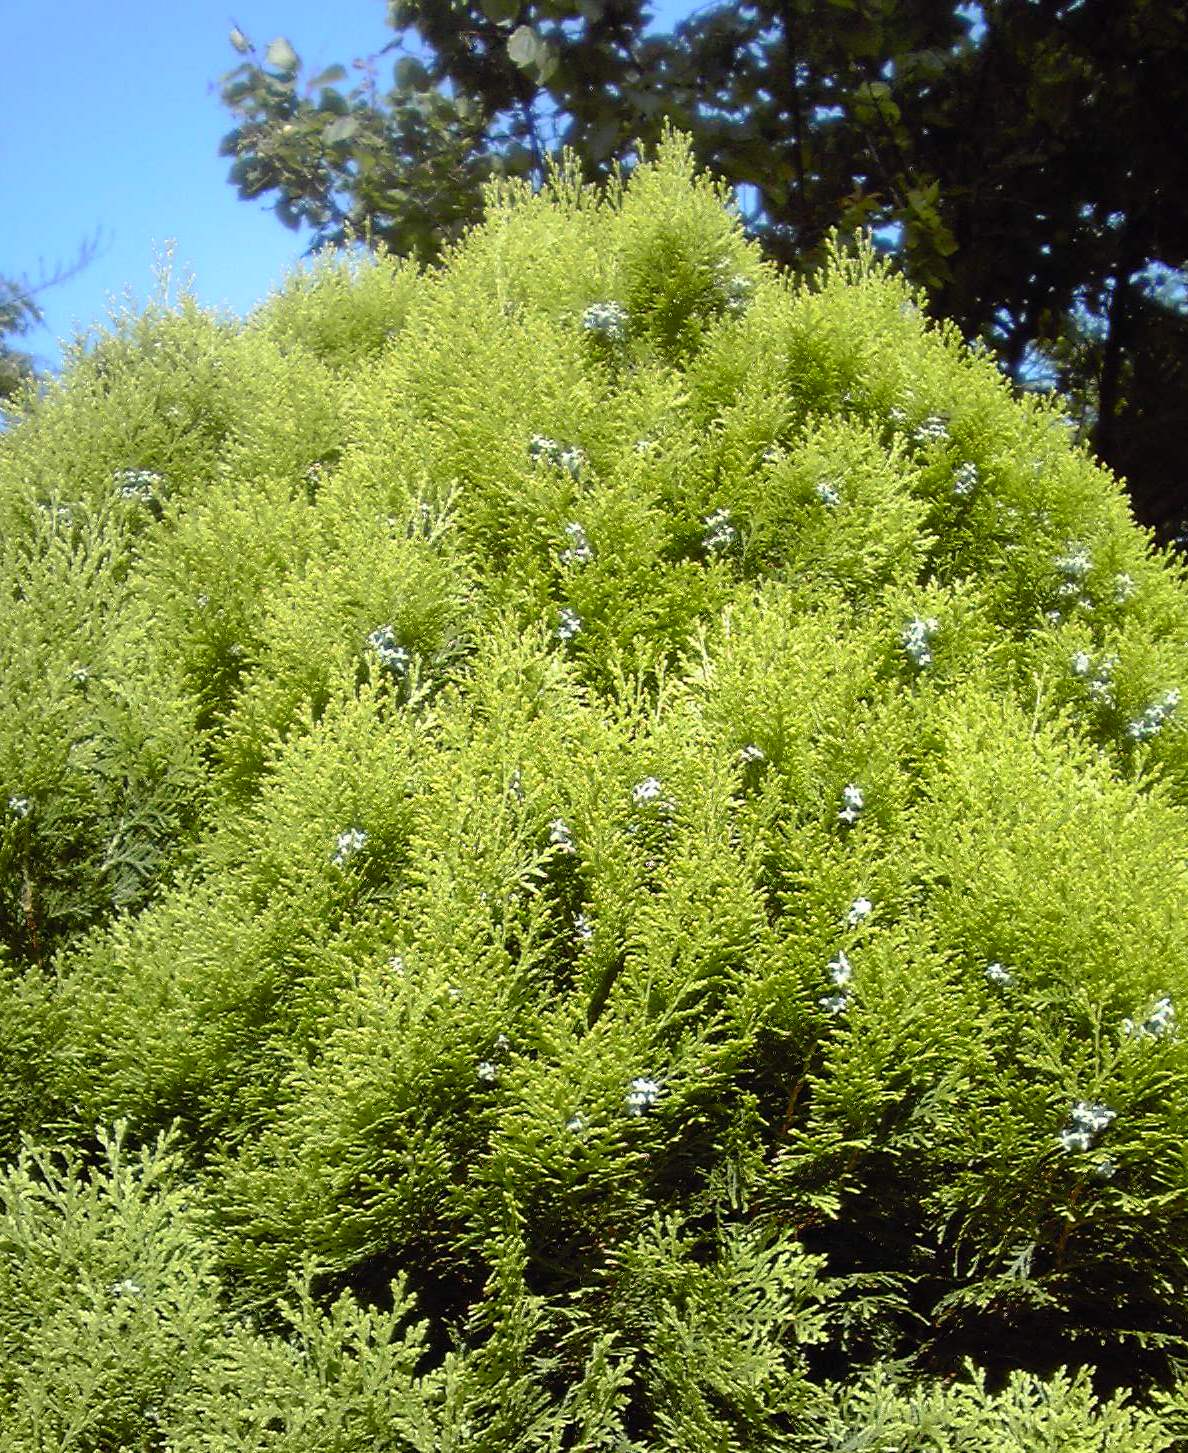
point(110, 123)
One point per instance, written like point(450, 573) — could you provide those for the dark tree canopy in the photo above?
point(1022, 158)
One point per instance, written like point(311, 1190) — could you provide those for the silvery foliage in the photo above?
point(648, 791)
point(1099, 680)
point(1074, 565)
point(347, 845)
point(739, 289)
point(393, 657)
point(965, 478)
point(917, 639)
point(932, 430)
point(578, 551)
point(1123, 587)
point(839, 970)
point(853, 803)
point(488, 1070)
point(1153, 718)
point(642, 1095)
point(859, 910)
point(840, 973)
point(138, 484)
point(563, 456)
point(570, 626)
point(608, 320)
point(1085, 1121)
point(1159, 1023)
point(58, 515)
point(720, 533)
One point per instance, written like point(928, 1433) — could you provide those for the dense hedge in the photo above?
point(592, 856)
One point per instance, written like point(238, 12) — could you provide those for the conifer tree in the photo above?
point(591, 843)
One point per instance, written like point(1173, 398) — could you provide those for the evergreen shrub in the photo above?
point(592, 848)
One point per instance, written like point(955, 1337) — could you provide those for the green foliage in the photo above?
point(1025, 1415)
point(610, 841)
point(339, 1379)
point(341, 309)
point(26, 1064)
point(107, 1296)
point(1014, 159)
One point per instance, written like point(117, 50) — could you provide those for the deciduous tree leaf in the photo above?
point(281, 55)
point(327, 77)
point(411, 74)
point(521, 46)
point(546, 62)
point(341, 130)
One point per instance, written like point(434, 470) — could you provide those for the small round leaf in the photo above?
point(521, 46)
point(281, 55)
point(341, 130)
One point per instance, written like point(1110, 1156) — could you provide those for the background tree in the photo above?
point(20, 314)
point(1021, 158)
